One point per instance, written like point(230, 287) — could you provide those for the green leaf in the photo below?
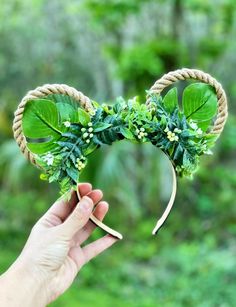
point(170, 100)
point(67, 112)
point(96, 104)
point(101, 126)
point(73, 173)
point(84, 117)
point(204, 125)
point(127, 133)
point(41, 125)
point(65, 99)
point(90, 149)
point(199, 102)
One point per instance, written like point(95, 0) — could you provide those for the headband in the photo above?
point(57, 127)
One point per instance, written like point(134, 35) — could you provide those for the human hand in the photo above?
point(53, 255)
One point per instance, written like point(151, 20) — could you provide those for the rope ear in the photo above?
point(41, 92)
point(186, 73)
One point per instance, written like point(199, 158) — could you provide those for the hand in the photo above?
point(53, 255)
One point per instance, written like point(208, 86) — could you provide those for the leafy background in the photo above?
point(106, 49)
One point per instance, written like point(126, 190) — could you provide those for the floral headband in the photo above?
point(57, 127)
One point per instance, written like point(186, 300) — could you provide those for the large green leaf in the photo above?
point(67, 107)
point(84, 117)
point(41, 125)
point(60, 98)
point(199, 102)
point(170, 100)
point(67, 112)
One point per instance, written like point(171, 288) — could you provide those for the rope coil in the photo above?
point(186, 73)
point(42, 92)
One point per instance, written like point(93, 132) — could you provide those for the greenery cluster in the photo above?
point(62, 135)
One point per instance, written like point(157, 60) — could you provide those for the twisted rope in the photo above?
point(41, 92)
point(186, 73)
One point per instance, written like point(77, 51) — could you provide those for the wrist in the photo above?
point(20, 285)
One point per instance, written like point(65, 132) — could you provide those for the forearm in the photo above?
point(20, 287)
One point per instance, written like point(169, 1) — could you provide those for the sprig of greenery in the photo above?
point(64, 134)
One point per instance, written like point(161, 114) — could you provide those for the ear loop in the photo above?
point(159, 223)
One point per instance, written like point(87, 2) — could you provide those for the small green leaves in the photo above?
point(170, 100)
point(84, 117)
point(199, 102)
point(63, 135)
point(127, 133)
point(101, 126)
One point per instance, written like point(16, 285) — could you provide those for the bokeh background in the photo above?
point(107, 49)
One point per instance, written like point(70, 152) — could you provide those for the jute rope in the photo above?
point(186, 73)
point(41, 92)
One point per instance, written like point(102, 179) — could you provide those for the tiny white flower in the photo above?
point(142, 129)
point(177, 130)
point(85, 135)
point(67, 123)
point(208, 152)
point(91, 135)
point(199, 131)
point(193, 125)
point(90, 124)
point(166, 130)
point(83, 129)
point(90, 129)
point(172, 136)
point(139, 136)
point(145, 134)
point(49, 158)
point(137, 131)
point(87, 141)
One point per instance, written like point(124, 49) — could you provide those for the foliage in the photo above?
point(64, 134)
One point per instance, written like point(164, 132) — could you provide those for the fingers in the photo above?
point(95, 195)
point(95, 248)
point(99, 212)
point(80, 215)
point(84, 188)
point(78, 218)
point(61, 209)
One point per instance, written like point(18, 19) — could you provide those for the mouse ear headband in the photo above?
point(57, 127)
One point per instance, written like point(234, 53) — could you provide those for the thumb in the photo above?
point(78, 218)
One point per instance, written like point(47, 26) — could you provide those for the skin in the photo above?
point(53, 255)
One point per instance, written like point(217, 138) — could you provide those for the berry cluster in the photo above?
point(141, 133)
point(88, 133)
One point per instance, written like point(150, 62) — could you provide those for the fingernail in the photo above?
point(86, 203)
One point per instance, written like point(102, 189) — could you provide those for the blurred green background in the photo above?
point(107, 49)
